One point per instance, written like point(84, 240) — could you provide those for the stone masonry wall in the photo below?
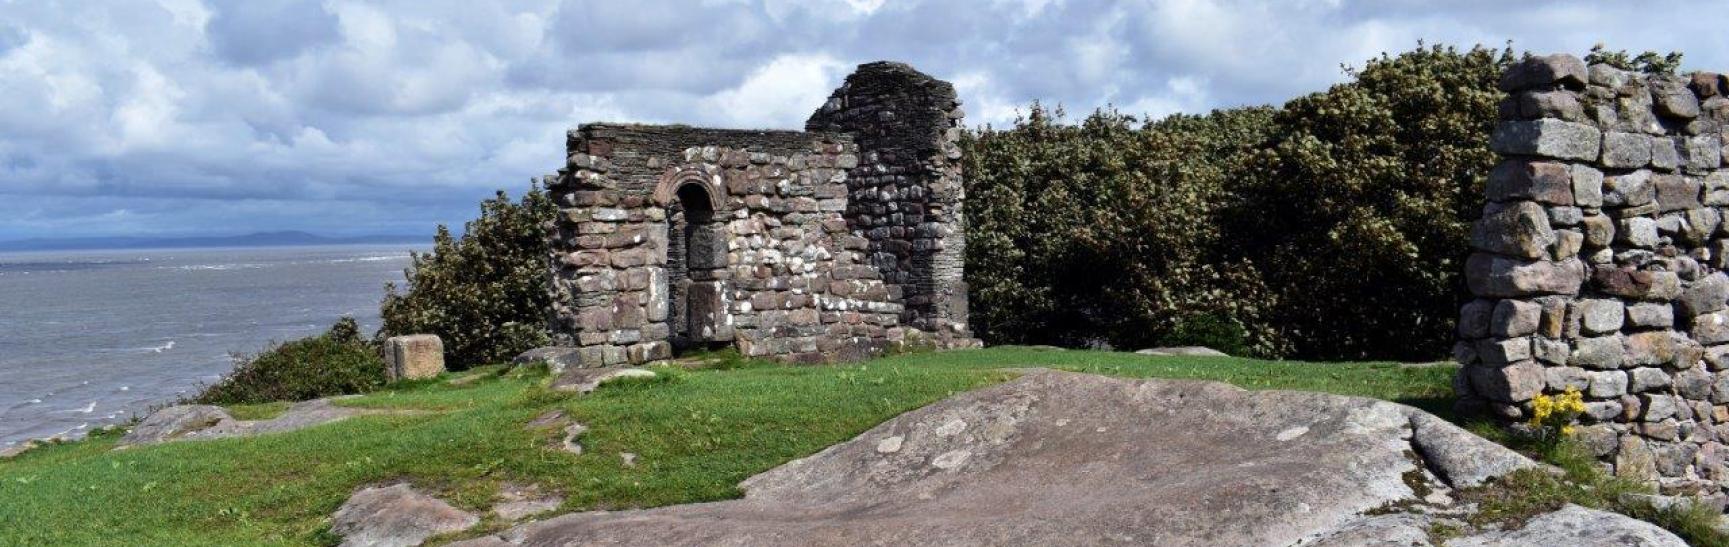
point(1598, 265)
point(786, 268)
point(906, 194)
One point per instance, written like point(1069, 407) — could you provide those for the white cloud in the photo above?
point(393, 115)
point(781, 94)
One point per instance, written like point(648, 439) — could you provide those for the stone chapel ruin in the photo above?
point(834, 243)
point(1599, 263)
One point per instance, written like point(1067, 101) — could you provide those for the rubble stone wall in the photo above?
point(906, 194)
point(1598, 265)
point(762, 239)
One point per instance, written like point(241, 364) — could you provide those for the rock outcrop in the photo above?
point(1185, 351)
point(1065, 458)
point(187, 422)
point(586, 380)
point(396, 516)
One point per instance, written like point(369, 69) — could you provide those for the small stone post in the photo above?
point(414, 356)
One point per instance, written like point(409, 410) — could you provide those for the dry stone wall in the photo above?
point(797, 245)
point(1598, 265)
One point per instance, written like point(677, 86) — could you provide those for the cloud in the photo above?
point(257, 32)
point(353, 116)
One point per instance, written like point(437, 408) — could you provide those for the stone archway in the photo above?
point(696, 260)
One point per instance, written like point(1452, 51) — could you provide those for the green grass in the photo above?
point(696, 433)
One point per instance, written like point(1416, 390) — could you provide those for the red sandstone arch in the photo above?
point(667, 189)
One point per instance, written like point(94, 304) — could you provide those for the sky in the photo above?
point(347, 117)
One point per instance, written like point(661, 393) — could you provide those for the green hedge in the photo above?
point(1330, 228)
point(338, 362)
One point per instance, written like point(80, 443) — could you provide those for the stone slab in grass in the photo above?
point(396, 516)
point(585, 380)
point(1068, 458)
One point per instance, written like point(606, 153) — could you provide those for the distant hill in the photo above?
point(260, 239)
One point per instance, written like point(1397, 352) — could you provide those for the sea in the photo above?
point(92, 338)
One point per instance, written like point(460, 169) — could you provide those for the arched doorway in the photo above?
point(696, 258)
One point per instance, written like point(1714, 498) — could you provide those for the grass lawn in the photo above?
point(696, 435)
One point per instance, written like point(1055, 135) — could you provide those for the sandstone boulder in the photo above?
point(1576, 526)
point(414, 356)
point(395, 516)
point(1066, 458)
point(585, 380)
point(174, 422)
point(557, 358)
point(1187, 351)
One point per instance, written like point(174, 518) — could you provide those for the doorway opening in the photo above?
point(696, 258)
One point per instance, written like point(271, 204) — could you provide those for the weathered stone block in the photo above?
point(1517, 179)
point(1693, 383)
point(1675, 193)
point(1650, 349)
point(1559, 70)
point(1564, 378)
point(1702, 152)
point(1550, 104)
point(1673, 99)
point(1626, 150)
point(1607, 384)
point(1711, 328)
point(1649, 379)
point(1706, 295)
point(1547, 138)
point(1603, 352)
point(1514, 383)
point(1651, 315)
point(1499, 276)
point(1628, 190)
point(1638, 232)
point(1473, 317)
point(1599, 315)
point(1587, 185)
point(414, 357)
point(1665, 153)
point(1637, 284)
point(1599, 230)
point(1514, 318)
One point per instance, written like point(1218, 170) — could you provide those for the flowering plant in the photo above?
point(1555, 414)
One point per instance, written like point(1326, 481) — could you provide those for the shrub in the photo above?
point(1358, 210)
point(337, 362)
point(485, 293)
point(1105, 232)
point(1334, 227)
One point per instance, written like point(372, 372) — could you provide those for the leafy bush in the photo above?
point(1358, 210)
point(485, 293)
point(1105, 232)
point(1334, 227)
point(337, 362)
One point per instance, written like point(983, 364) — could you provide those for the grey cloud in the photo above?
point(12, 37)
point(255, 32)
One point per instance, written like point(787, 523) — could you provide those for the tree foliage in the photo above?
point(485, 293)
point(1333, 227)
point(1649, 62)
point(1103, 232)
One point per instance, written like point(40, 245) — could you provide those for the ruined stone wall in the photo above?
point(794, 285)
point(906, 194)
point(835, 243)
point(1598, 265)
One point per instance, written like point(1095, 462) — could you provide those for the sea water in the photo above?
point(90, 338)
